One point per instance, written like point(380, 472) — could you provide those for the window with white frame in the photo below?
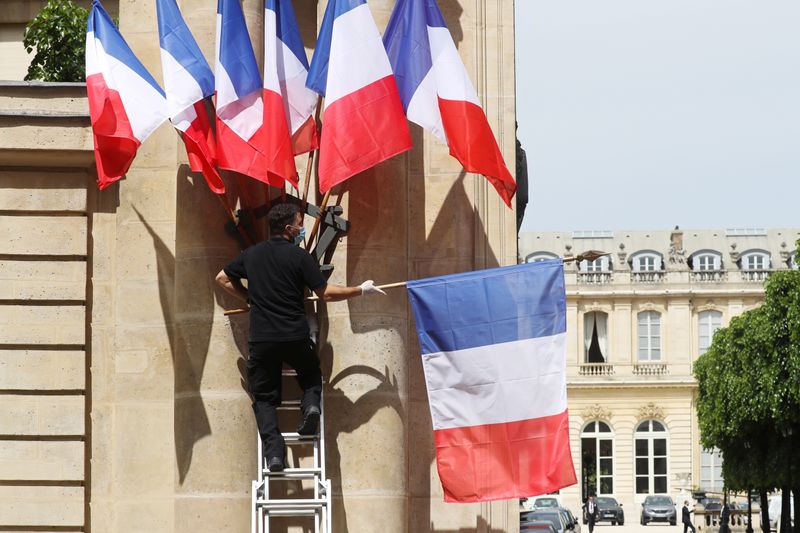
point(648, 330)
point(651, 457)
point(646, 262)
point(755, 261)
point(711, 470)
point(706, 261)
point(535, 257)
point(708, 322)
point(595, 337)
point(601, 264)
point(597, 453)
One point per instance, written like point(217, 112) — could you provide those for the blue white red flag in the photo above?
point(241, 138)
point(493, 346)
point(126, 104)
point(437, 93)
point(363, 117)
point(188, 81)
point(285, 72)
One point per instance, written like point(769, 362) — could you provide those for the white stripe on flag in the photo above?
point(243, 115)
point(498, 383)
point(423, 109)
point(145, 107)
point(357, 55)
point(452, 80)
point(271, 47)
point(179, 84)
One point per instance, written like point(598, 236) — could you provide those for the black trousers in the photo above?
point(591, 524)
point(688, 525)
point(264, 380)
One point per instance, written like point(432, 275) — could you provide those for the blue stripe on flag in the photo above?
point(175, 38)
point(435, 18)
point(236, 51)
point(287, 29)
point(488, 307)
point(407, 45)
point(317, 79)
point(114, 44)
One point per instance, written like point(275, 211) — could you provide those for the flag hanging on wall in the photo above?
point(363, 120)
point(126, 104)
point(188, 81)
point(437, 93)
point(286, 67)
point(493, 346)
point(241, 138)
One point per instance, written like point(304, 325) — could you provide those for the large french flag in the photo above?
point(363, 119)
point(126, 104)
point(437, 93)
point(493, 346)
point(286, 70)
point(241, 138)
point(188, 81)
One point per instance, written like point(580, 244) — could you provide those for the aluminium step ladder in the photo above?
point(265, 505)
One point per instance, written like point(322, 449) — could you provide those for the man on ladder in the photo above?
point(277, 273)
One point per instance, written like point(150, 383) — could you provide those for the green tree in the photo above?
point(58, 36)
point(749, 394)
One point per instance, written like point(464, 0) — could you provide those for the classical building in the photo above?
point(121, 402)
point(637, 319)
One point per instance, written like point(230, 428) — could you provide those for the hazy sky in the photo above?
point(646, 114)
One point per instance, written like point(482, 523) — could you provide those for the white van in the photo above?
point(775, 512)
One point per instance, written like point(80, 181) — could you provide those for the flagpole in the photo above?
point(590, 255)
point(318, 220)
point(310, 163)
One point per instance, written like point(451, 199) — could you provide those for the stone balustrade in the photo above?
point(757, 276)
point(647, 276)
point(650, 369)
point(594, 278)
point(596, 369)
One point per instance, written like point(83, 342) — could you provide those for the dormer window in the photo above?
point(706, 261)
point(601, 264)
point(535, 257)
point(755, 260)
point(646, 262)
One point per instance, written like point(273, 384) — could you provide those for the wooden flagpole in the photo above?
point(590, 255)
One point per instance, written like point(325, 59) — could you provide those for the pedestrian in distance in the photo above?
point(686, 519)
point(725, 517)
point(278, 271)
point(591, 512)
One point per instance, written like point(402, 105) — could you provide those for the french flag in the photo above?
point(286, 70)
point(363, 118)
point(493, 346)
point(188, 81)
point(437, 93)
point(126, 104)
point(241, 138)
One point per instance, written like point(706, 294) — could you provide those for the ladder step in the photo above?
point(295, 473)
point(291, 504)
point(296, 437)
point(292, 512)
point(289, 405)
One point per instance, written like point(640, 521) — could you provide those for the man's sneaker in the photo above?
point(275, 464)
point(310, 421)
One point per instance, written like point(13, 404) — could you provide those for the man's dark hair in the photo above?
point(279, 216)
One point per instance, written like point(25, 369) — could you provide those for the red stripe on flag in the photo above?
point(238, 155)
point(503, 461)
point(278, 146)
point(306, 137)
point(199, 141)
point(360, 130)
point(115, 145)
point(472, 142)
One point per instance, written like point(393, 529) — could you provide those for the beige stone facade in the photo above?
point(121, 400)
point(637, 320)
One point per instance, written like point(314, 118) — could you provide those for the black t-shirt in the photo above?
point(277, 272)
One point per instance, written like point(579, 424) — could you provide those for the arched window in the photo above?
point(708, 323)
point(754, 260)
point(648, 327)
point(601, 264)
point(535, 257)
point(595, 337)
point(651, 457)
point(706, 260)
point(646, 261)
point(597, 459)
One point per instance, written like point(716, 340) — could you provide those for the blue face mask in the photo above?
point(300, 237)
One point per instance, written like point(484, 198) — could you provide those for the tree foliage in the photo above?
point(58, 36)
point(748, 402)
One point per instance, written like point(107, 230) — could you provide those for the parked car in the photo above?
point(552, 516)
point(609, 510)
point(658, 509)
point(546, 502)
point(572, 523)
point(545, 527)
point(711, 504)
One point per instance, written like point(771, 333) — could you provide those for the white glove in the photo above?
point(368, 287)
